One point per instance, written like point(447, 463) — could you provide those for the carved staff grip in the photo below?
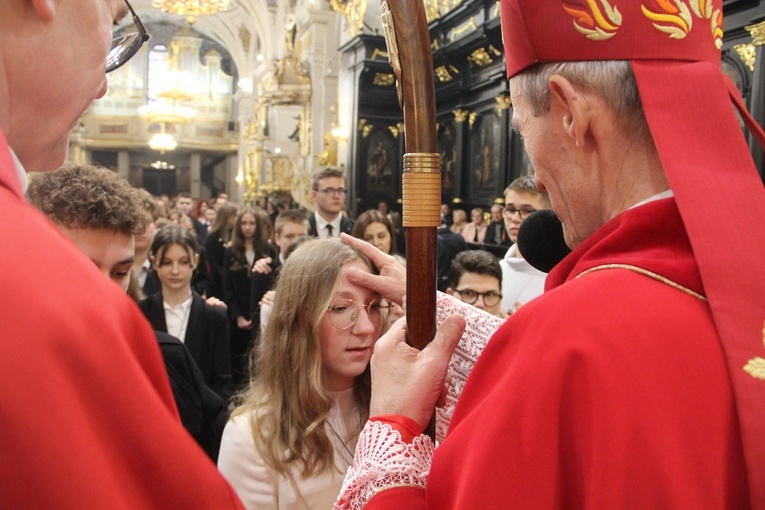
point(408, 40)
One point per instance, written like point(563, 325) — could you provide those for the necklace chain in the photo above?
point(342, 441)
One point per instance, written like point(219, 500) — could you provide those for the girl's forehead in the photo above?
point(175, 250)
point(344, 285)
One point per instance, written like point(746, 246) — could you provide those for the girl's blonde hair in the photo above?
point(286, 394)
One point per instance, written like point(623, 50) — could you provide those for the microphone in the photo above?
point(540, 240)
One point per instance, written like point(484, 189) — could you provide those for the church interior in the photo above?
point(249, 97)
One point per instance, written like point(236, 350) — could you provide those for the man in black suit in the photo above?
point(328, 194)
point(446, 215)
point(183, 203)
point(497, 233)
point(68, 197)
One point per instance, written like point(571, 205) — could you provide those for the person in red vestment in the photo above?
point(88, 417)
point(636, 380)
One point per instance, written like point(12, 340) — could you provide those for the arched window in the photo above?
point(158, 70)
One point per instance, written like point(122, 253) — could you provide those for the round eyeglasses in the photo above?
point(470, 296)
point(127, 45)
point(344, 312)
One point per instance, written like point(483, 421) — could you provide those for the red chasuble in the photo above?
point(87, 419)
point(608, 391)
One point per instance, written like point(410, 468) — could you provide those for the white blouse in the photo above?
point(260, 487)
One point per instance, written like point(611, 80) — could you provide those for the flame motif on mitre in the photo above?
point(670, 16)
point(702, 8)
point(717, 31)
point(596, 19)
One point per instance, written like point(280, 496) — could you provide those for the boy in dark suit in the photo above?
point(289, 225)
point(102, 214)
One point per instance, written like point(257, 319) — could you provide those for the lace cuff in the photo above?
point(479, 328)
point(383, 461)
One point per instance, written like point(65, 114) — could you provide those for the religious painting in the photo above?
point(521, 164)
point(447, 148)
point(381, 161)
point(484, 154)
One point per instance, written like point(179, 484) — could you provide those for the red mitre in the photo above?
point(674, 49)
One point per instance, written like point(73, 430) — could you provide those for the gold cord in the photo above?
point(647, 273)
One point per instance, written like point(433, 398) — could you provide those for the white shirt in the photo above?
point(321, 226)
point(520, 281)
point(142, 273)
point(177, 318)
point(259, 487)
point(664, 194)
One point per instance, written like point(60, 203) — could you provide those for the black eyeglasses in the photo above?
point(470, 296)
point(333, 191)
point(127, 45)
point(522, 212)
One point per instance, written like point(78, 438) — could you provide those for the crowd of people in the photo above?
point(226, 308)
point(232, 363)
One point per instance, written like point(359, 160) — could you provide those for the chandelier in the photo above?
point(163, 141)
point(191, 8)
point(162, 112)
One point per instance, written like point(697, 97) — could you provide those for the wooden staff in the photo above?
point(405, 23)
point(408, 40)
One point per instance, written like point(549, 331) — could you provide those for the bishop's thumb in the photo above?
point(447, 336)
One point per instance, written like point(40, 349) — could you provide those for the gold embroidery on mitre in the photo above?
point(596, 19)
point(756, 366)
point(670, 16)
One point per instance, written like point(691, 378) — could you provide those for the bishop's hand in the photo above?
point(390, 283)
point(409, 382)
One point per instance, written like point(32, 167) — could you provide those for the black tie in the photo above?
point(329, 229)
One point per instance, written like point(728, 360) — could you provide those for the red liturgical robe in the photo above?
point(87, 419)
point(608, 391)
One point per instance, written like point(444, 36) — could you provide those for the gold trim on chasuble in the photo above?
point(645, 272)
point(754, 367)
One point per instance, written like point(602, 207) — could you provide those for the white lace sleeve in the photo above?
point(480, 326)
point(383, 461)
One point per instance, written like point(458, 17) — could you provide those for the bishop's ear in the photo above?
point(571, 106)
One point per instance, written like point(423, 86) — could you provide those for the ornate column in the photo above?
point(503, 108)
point(757, 104)
point(195, 167)
point(461, 137)
point(123, 164)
